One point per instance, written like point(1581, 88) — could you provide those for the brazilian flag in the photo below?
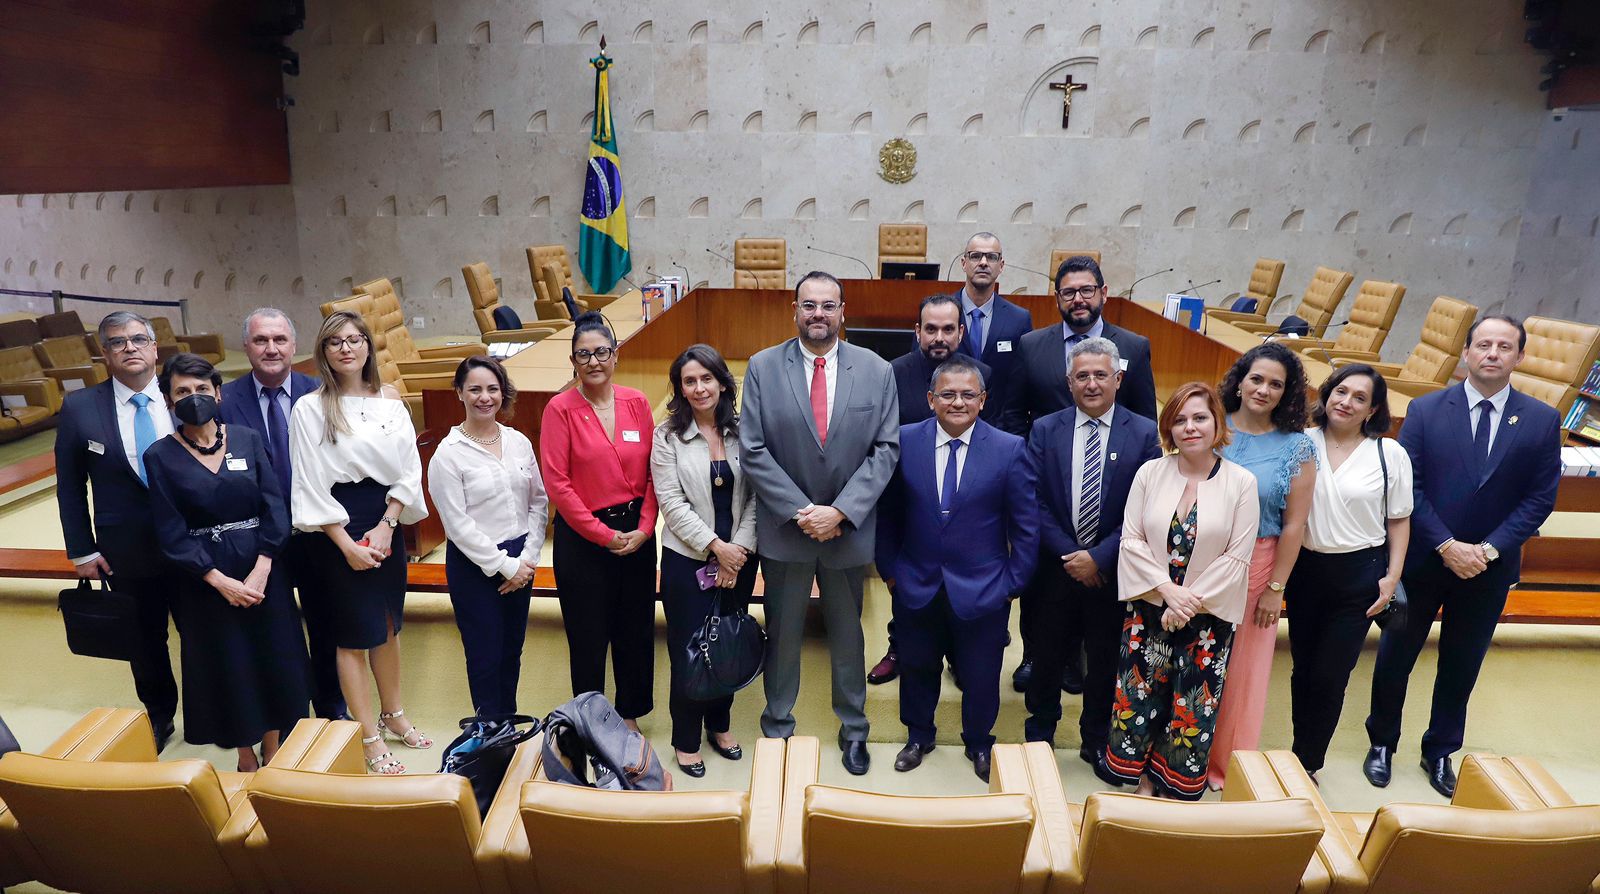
point(603, 243)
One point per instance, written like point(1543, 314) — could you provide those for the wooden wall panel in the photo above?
point(166, 94)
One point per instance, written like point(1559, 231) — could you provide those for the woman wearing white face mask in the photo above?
point(220, 517)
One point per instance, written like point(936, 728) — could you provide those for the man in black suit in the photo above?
point(994, 326)
point(1086, 457)
point(939, 332)
point(1039, 388)
point(263, 400)
point(101, 438)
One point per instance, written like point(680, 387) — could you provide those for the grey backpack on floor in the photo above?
point(586, 734)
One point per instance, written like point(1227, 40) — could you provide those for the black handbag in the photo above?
point(1393, 617)
point(725, 655)
point(100, 623)
point(483, 752)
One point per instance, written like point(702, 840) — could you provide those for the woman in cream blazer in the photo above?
point(1187, 535)
point(710, 515)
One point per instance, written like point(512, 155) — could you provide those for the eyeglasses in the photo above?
point(1085, 377)
point(350, 341)
point(827, 307)
point(123, 342)
point(949, 397)
point(1084, 292)
point(599, 355)
point(976, 256)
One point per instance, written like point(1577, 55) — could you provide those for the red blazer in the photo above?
point(585, 472)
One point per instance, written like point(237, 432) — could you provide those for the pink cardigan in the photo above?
point(1219, 568)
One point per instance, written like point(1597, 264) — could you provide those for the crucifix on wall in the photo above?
point(1066, 87)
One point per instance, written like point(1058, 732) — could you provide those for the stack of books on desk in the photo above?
point(1583, 418)
point(1580, 462)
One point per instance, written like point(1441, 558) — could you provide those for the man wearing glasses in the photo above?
point(820, 436)
point(994, 326)
point(100, 439)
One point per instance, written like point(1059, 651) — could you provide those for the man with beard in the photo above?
point(1039, 388)
point(994, 326)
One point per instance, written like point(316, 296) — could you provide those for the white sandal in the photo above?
point(421, 739)
point(385, 763)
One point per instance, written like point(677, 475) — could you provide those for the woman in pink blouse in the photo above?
point(594, 447)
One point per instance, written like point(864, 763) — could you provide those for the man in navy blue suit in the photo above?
point(263, 400)
point(1485, 463)
point(1086, 456)
point(100, 439)
point(957, 539)
point(994, 326)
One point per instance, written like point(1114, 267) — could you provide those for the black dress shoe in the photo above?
point(696, 769)
point(731, 754)
point(885, 670)
point(1441, 775)
point(1103, 772)
point(1022, 675)
point(980, 763)
point(910, 757)
point(1072, 679)
point(1377, 764)
point(163, 733)
point(1089, 754)
point(855, 759)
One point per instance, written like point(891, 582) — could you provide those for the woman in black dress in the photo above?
point(219, 516)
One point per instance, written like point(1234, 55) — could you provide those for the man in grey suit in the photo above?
point(820, 436)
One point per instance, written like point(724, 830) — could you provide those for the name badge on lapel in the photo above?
point(97, 448)
point(1003, 347)
point(630, 435)
point(1122, 363)
point(238, 465)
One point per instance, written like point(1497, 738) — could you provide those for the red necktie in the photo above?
point(819, 397)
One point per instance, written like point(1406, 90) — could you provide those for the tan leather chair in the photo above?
point(760, 264)
point(1317, 304)
point(69, 323)
point(400, 362)
point(205, 344)
point(67, 360)
point(1432, 362)
point(23, 333)
point(1559, 355)
point(1059, 255)
point(485, 297)
point(541, 255)
point(359, 304)
point(29, 399)
point(836, 841)
point(904, 243)
point(1371, 316)
point(1265, 278)
point(715, 842)
point(1472, 844)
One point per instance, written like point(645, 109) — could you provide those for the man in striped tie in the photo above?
point(1086, 456)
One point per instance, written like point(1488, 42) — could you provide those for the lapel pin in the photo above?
point(1511, 421)
point(1113, 457)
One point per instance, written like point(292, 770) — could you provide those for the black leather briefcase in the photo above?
point(100, 622)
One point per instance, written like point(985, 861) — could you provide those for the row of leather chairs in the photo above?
point(762, 263)
point(556, 304)
point(96, 813)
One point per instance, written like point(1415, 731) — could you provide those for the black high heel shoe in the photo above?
point(696, 769)
point(732, 754)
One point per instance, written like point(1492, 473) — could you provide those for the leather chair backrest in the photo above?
point(68, 350)
point(540, 255)
point(1496, 782)
point(1322, 297)
point(1559, 355)
point(1444, 333)
point(484, 293)
point(1059, 256)
point(1265, 278)
point(20, 333)
point(111, 826)
point(1371, 316)
point(1441, 849)
point(352, 304)
point(902, 243)
point(65, 323)
point(165, 334)
point(764, 261)
point(328, 832)
point(864, 841)
point(588, 840)
point(557, 288)
point(1257, 846)
point(18, 364)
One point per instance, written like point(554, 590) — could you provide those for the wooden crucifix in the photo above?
point(1066, 87)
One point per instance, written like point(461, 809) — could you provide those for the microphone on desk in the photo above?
point(720, 255)
point(948, 267)
point(870, 274)
point(1194, 289)
point(687, 282)
point(1129, 292)
point(1034, 272)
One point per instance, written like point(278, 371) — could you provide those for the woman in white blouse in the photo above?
point(1353, 554)
point(357, 477)
point(486, 485)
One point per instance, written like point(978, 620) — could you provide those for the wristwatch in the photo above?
point(391, 521)
point(1489, 552)
point(1274, 586)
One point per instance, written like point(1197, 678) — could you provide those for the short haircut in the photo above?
point(192, 365)
point(1099, 347)
point(1290, 413)
point(957, 364)
point(931, 300)
point(120, 318)
point(1378, 424)
point(268, 313)
point(1522, 333)
point(1169, 414)
point(508, 391)
point(592, 321)
point(818, 275)
point(1078, 263)
point(982, 235)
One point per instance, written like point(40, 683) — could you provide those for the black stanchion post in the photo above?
point(55, 298)
point(183, 314)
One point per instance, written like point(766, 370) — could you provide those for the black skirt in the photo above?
point(360, 604)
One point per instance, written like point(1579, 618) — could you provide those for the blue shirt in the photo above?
point(1274, 458)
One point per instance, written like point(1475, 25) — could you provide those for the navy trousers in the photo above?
point(492, 627)
point(923, 637)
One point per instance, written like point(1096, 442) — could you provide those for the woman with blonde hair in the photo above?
point(358, 477)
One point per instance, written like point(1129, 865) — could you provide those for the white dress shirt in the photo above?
point(485, 500)
point(1079, 437)
point(1347, 503)
point(285, 403)
point(941, 456)
point(381, 445)
point(1497, 409)
point(830, 370)
point(126, 411)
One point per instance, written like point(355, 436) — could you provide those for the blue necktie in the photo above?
point(977, 329)
point(1089, 498)
point(1480, 436)
point(947, 495)
point(144, 431)
point(278, 438)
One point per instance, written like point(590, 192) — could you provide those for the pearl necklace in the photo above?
point(487, 442)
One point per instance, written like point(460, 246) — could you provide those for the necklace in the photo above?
point(717, 465)
point(1342, 447)
point(204, 451)
point(487, 442)
point(597, 408)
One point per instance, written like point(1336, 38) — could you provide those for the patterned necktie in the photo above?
point(977, 329)
point(1480, 436)
point(278, 438)
point(819, 397)
point(1089, 498)
point(947, 494)
point(144, 431)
